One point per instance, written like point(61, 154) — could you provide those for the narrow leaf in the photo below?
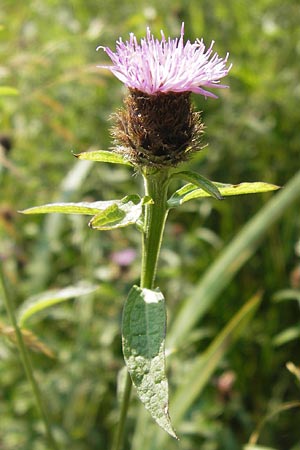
point(49, 298)
point(119, 214)
point(143, 332)
point(198, 180)
point(70, 208)
point(103, 156)
point(191, 192)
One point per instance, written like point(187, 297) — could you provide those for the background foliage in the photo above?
point(63, 104)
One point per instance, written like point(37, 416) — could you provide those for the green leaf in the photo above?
point(120, 214)
point(107, 214)
point(143, 331)
point(198, 180)
point(8, 90)
point(191, 192)
point(49, 298)
point(103, 156)
point(70, 208)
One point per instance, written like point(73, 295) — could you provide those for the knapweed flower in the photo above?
point(158, 126)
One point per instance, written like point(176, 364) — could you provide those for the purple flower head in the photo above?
point(167, 65)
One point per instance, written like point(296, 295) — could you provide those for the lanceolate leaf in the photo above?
point(49, 298)
point(191, 191)
point(103, 156)
point(119, 214)
point(107, 214)
point(70, 208)
point(143, 332)
point(198, 180)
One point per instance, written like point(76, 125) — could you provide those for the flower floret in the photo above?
point(167, 65)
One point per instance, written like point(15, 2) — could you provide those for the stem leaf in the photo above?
point(107, 214)
point(103, 156)
point(119, 214)
point(143, 336)
point(198, 180)
point(70, 208)
point(190, 191)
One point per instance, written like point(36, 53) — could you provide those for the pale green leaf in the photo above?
point(191, 191)
point(107, 214)
point(143, 331)
point(70, 208)
point(8, 90)
point(49, 298)
point(119, 214)
point(198, 180)
point(103, 156)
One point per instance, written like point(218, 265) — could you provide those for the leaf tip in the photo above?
point(24, 211)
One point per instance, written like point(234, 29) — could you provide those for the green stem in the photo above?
point(26, 359)
point(156, 186)
point(155, 214)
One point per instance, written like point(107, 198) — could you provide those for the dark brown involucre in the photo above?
point(160, 130)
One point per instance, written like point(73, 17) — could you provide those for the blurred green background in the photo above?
point(63, 104)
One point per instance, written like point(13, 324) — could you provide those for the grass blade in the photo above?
point(233, 257)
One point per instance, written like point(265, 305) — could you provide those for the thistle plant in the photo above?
point(155, 131)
